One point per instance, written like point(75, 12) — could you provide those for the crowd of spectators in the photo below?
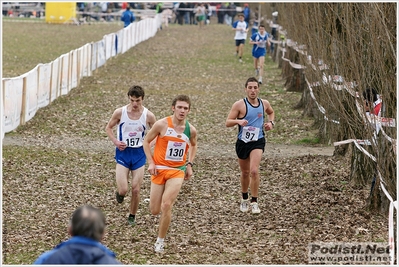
point(224, 12)
point(181, 12)
point(23, 9)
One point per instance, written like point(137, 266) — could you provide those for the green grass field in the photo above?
point(26, 44)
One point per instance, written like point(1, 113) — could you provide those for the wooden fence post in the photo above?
point(23, 108)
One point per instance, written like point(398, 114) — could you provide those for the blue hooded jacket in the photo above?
point(127, 18)
point(78, 250)
point(247, 13)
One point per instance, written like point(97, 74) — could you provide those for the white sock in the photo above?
point(160, 240)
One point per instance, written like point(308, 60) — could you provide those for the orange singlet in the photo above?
point(170, 153)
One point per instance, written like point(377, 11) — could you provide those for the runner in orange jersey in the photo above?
point(176, 141)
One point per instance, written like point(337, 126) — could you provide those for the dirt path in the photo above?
point(271, 151)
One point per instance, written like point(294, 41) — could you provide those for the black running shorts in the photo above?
point(241, 41)
point(244, 149)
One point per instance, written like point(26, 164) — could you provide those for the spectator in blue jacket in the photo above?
point(247, 13)
point(127, 17)
point(87, 228)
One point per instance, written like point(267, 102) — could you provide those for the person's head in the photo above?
point(252, 88)
point(370, 95)
point(128, 8)
point(181, 106)
point(87, 221)
point(136, 95)
point(241, 17)
point(261, 29)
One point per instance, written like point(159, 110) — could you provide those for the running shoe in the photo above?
point(158, 247)
point(255, 208)
point(131, 221)
point(244, 205)
point(119, 198)
point(240, 60)
point(260, 81)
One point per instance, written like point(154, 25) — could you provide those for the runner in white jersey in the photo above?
point(241, 29)
point(133, 120)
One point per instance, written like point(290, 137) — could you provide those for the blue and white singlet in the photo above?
point(132, 131)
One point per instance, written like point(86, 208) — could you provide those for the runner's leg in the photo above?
point(172, 188)
point(137, 180)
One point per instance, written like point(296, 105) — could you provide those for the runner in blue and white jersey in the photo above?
point(132, 121)
point(259, 41)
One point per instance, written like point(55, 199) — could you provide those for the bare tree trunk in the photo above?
point(378, 200)
point(279, 51)
point(363, 170)
point(286, 68)
point(307, 103)
point(296, 80)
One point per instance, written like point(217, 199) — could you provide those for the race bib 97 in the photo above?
point(249, 134)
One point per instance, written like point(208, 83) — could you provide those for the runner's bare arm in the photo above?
point(234, 114)
point(192, 151)
point(109, 129)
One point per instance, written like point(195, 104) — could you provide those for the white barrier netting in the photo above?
point(25, 94)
